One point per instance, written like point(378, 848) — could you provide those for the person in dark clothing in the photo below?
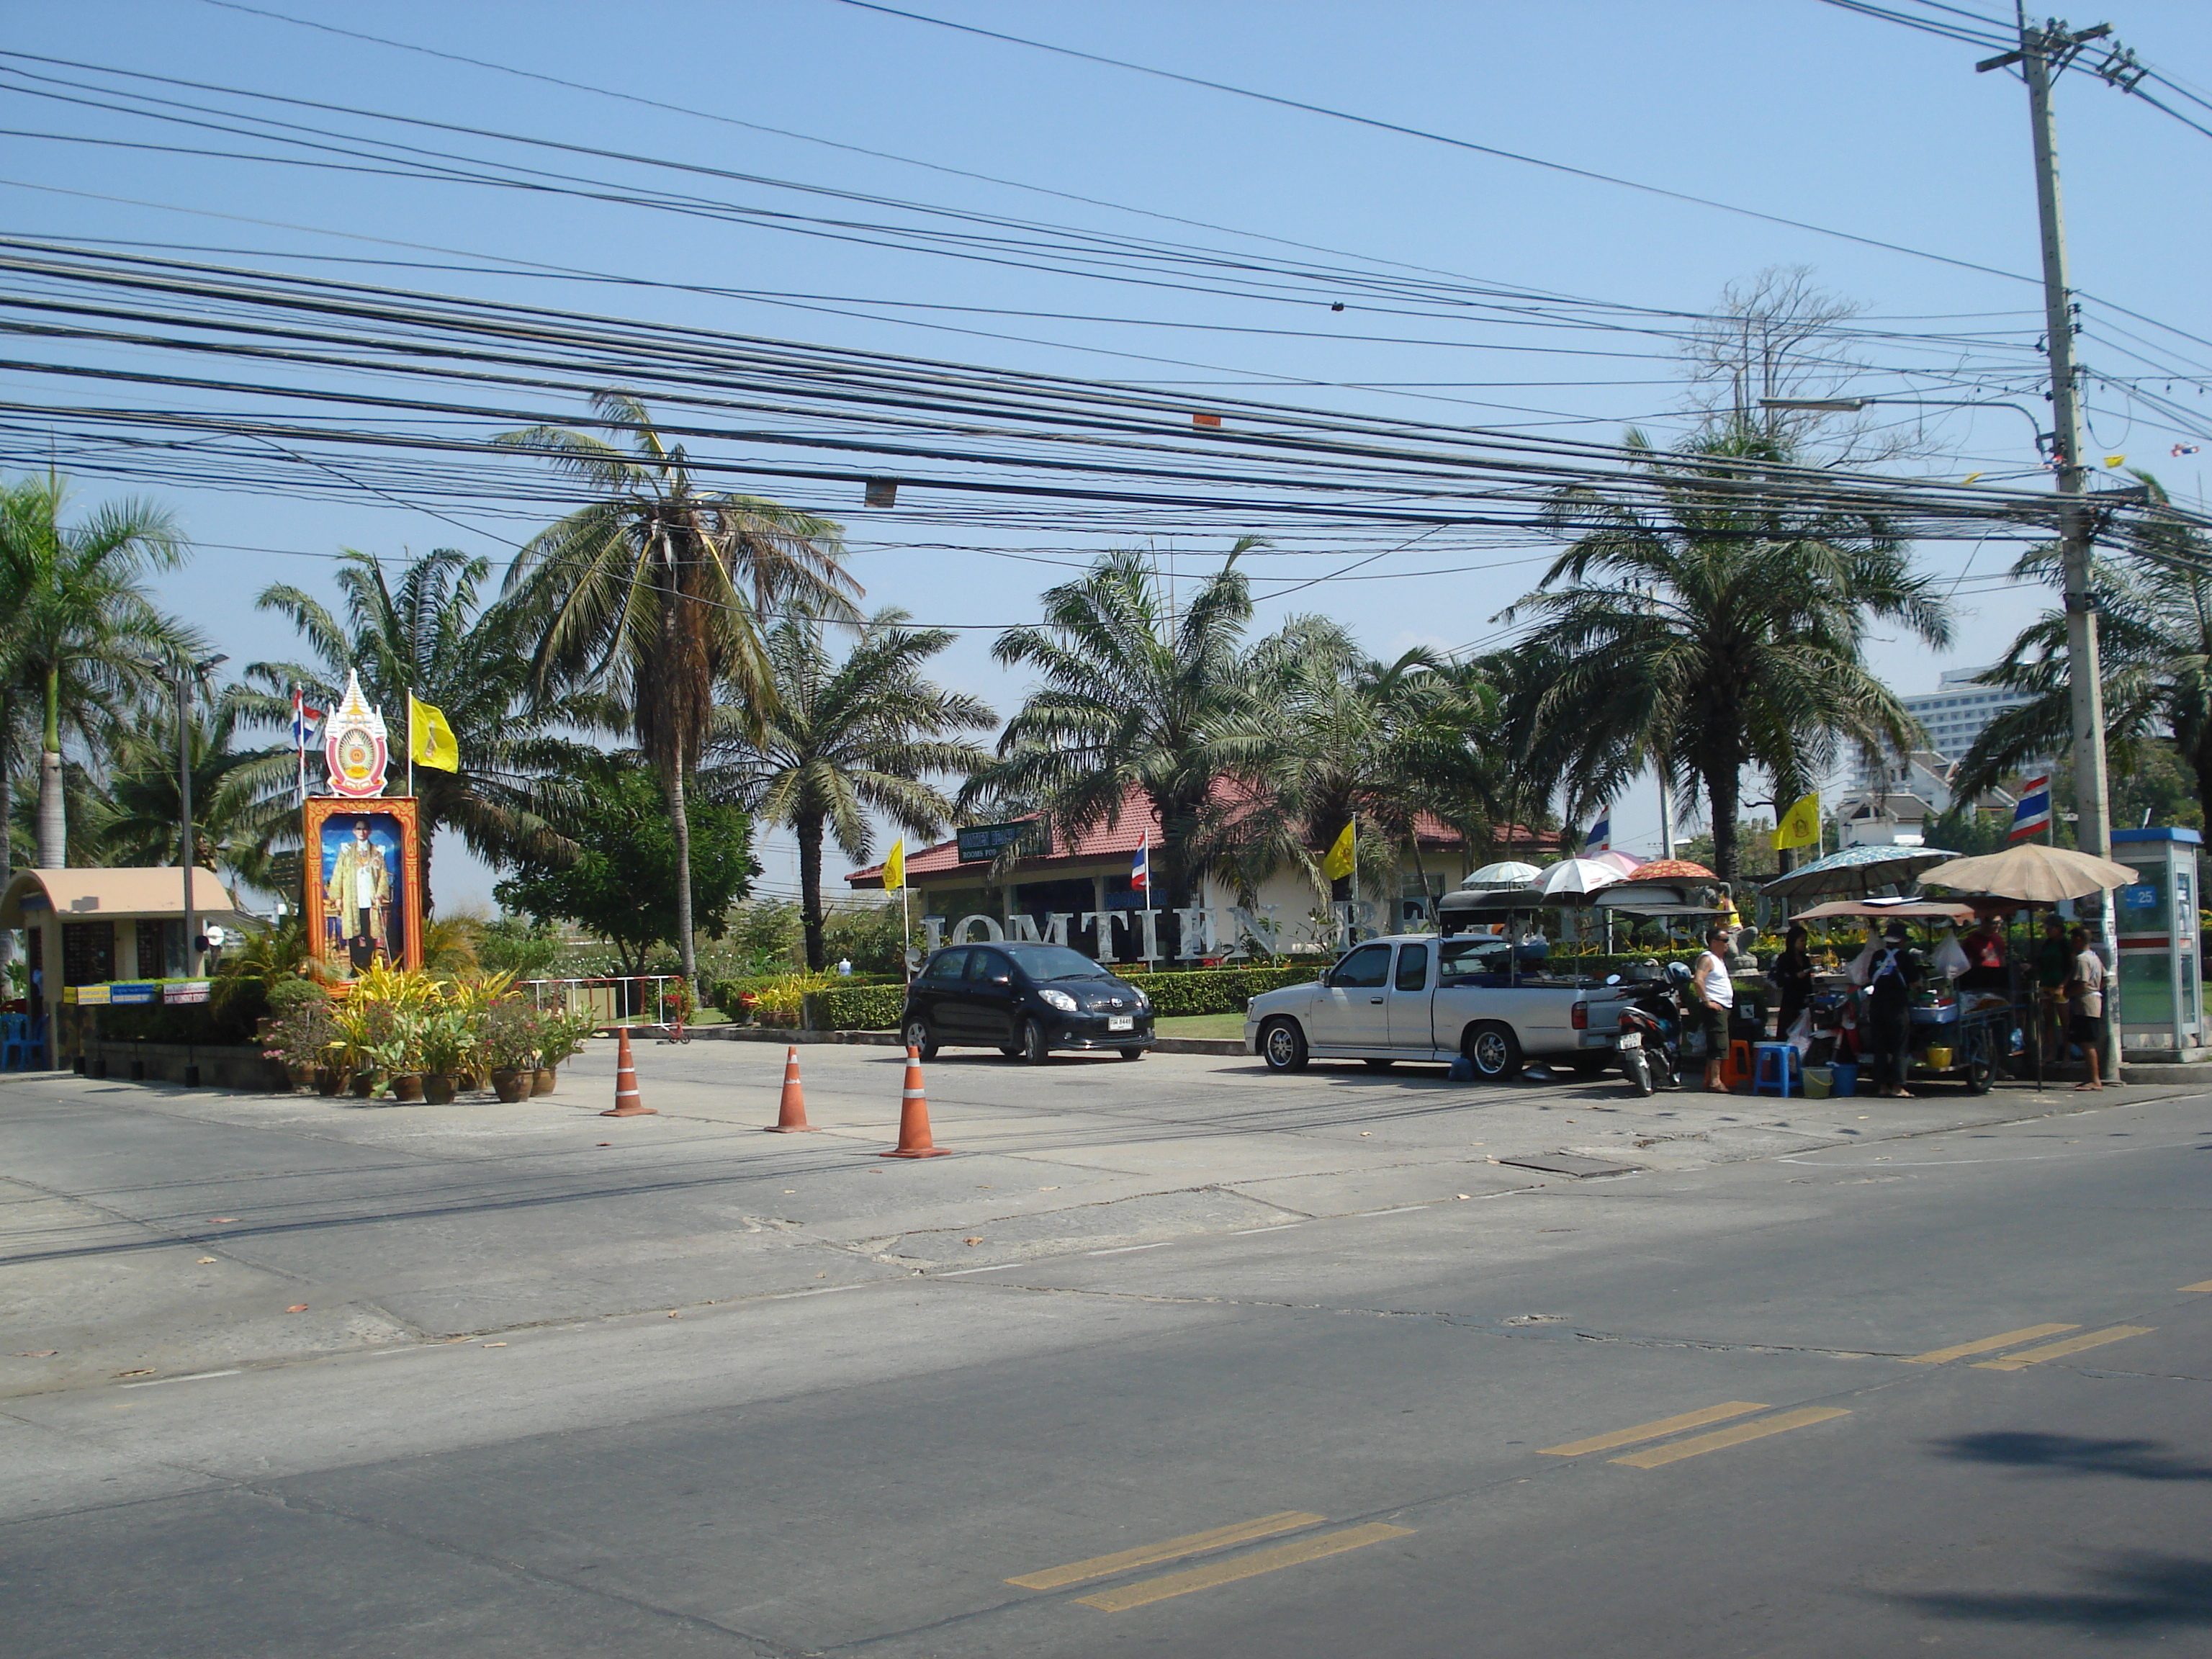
point(2054, 968)
point(1985, 957)
point(1792, 975)
point(1896, 974)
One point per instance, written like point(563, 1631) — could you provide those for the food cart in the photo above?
point(1960, 1036)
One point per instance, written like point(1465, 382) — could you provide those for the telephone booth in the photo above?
point(2161, 998)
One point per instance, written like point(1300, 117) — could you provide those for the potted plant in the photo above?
point(445, 1042)
point(510, 1042)
point(563, 1038)
point(398, 1051)
point(300, 1032)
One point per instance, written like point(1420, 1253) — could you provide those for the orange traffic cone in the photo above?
point(914, 1116)
point(791, 1112)
point(628, 1102)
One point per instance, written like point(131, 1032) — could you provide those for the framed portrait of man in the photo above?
point(363, 871)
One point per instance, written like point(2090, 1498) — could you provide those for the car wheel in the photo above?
point(915, 1034)
point(1034, 1049)
point(1981, 1069)
point(1133, 1053)
point(1378, 1064)
point(1494, 1051)
point(1283, 1046)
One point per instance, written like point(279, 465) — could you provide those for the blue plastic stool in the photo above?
point(1775, 1067)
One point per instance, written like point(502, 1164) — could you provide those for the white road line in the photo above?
point(955, 1273)
point(1279, 1227)
point(1401, 1210)
point(1124, 1249)
point(197, 1376)
point(827, 1290)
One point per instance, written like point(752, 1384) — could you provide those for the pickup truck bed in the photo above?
point(1418, 998)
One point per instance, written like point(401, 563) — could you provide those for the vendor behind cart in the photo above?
point(1985, 957)
point(1892, 977)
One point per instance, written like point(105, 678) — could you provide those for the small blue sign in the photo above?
point(2143, 896)
point(124, 993)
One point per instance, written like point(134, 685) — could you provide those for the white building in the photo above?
point(1955, 715)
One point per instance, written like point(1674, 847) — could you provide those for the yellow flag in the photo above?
point(895, 866)
point(2115, 461)
point(1341, 858)
point(1800, 826)
point(430, 741)
point(1970, 478)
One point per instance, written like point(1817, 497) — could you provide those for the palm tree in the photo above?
point(2155, 648)
point(1348, 736)
point(654, 593)
point(429, 633)
point(241, 797)
point(846, 737)
point(80, 627)
point(1134, 697)
point(1717, 630)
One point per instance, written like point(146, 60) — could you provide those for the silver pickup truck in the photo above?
point(1419, 998)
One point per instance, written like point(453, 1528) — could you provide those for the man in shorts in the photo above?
point(1715, 993)
point(2086, 991)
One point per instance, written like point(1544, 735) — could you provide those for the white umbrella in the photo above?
point(1575, 876)
point(2033, 871)
point(1510, 873)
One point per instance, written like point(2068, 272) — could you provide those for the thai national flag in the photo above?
point(1600, 839)
point(304, 719)
point(2034, 812)
point(1140, 871)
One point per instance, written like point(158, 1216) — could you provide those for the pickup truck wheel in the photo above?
point(1283, 1046)
point(1494, 1051)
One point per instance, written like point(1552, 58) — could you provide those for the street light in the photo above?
point(1852, 405)
point(184, 677)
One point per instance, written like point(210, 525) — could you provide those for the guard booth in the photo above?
point(2155, 921)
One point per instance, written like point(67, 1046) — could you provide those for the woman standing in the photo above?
point(1792, 975)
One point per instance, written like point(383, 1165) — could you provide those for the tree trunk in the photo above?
point(679, 821)
point(53, 819)
point(809, 892)
point(1723, 794)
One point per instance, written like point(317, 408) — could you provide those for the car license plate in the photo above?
point(1631, 1039)
point(1120, 1022)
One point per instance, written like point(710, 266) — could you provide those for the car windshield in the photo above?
point(1042, 962)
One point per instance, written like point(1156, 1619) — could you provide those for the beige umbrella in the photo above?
point(2031, 872)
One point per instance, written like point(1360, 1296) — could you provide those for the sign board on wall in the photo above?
point(981, 843)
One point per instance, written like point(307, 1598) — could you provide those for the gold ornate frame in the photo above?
point(320, 810)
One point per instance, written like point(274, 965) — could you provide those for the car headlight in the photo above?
point(1144, 1003)
point(1059, 1000)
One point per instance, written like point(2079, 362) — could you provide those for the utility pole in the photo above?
point(2042, 52)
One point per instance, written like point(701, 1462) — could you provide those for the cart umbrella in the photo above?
point(2032, 873)
point(1856, 871)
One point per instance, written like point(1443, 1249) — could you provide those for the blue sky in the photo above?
point(1789, 106)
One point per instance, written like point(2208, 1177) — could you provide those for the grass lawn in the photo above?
point(1200, 1025)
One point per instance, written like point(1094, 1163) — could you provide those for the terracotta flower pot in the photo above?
point(512, 1086)
point(364, 1085)
point(547, 1076)
point(327, 1080)
point(439, 1088)
point(408, 1087)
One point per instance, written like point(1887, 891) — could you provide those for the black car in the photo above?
point(1024, 1001)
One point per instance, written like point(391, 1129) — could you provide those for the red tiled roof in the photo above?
point(1138, 822)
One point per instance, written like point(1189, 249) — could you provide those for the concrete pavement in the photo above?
point(1366, 1413)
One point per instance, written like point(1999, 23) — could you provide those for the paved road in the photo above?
point(1915, 1382)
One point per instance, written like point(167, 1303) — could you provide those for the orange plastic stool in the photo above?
point(1735, 1070)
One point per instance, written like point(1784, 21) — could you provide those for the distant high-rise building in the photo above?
point(1954, 714)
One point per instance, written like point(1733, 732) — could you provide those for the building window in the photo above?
point(88, 952)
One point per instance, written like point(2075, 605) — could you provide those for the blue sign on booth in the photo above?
point(123, 994)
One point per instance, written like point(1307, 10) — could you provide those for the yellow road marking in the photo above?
point(2206, 1286)
point(1244, 1566)
point(1145, 1555)
point(1722, 1439)
point(1938, 1356)
point(2013, 1361)
point(1653, 1431)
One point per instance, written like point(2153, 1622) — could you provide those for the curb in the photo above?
point(1230, 1046)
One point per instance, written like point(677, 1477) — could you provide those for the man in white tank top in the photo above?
point(1715, 993)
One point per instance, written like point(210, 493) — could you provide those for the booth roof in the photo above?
point(87, 895)
point(1132, 828)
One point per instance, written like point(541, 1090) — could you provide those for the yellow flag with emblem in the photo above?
point(430, 740)
point(1800, 826)
point(1341, 857)
point(895, 866)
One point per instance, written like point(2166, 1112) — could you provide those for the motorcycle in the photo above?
point(1650, 1044)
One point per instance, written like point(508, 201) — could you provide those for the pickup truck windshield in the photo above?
point(1472, 956)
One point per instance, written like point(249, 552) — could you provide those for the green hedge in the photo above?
point(855, 1008)
point(1194, 991)
point(725, 993)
